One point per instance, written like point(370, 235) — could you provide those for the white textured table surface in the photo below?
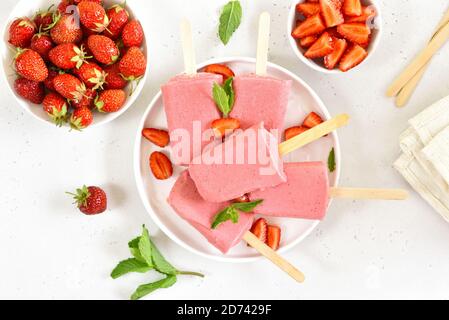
point(362, 250)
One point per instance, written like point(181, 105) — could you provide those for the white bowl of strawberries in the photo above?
point(334, 36)
point(78, 63)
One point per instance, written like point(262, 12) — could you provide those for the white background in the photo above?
point(362, 250)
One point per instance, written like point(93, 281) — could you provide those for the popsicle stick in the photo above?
point(272, 255)
point(263, 44)
point(420, 61)
point(369, 194)
point(313, 134)
point(187, 47)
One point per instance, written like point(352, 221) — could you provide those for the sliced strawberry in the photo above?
point(352, 8)
point(259, 229)
point(355, 32)
point(307, 41)
point(309, 27)
point(368, 12)
point(330, 9)
point(322, 47)
point(353, 57)
point(312, 120)
point(308, 9)
point(294, 131)
point(225, 126)
point(221, 69)
point(273, 237)
point(331, 60)
point(160, 138)
point(333, 32)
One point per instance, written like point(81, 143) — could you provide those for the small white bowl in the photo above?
point(26, 8)
point(299, 51)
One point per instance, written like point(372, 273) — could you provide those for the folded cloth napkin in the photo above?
point(425, 159)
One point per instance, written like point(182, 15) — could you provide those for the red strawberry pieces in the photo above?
point(332, 59)
point(353, 57)
point(259, 229)
point(355, 32)
point(321, 48)
point(312, 120)
point(330, 10)
point(308, 9)
point(268, 234)
point(352, 8)
point(309, 27)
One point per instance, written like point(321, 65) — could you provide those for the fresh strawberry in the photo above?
point(273, 237)
point(90, 200)
point(63, 6)
point(30, 90)
point(294, 131)
point(65, 29)
point(308, 9)
point(87, 100)
point(100, 2)
point(70, 87)
point(110, 100)
point(43, 19)
point(353, 57)
point(311, 26)
point(225, 126)
point(118, 17)
point(67, 56)
point(161, 166)
point(159, 137)
point(81, 118)
point(352, 8)
point(30, 65)
point(113, 78)
point(355, 32)
point(322, 47)
point(93, 16)
point(330, 10)
point(307, 41)
point(21, 32)
point(42, 44)
point(243, 199)
point(331, 60)
point(103, 48)
point(56, 107)
point(133, 64)
point(312, 120)
point(132, 35)
point(368, 13)
point(259, 229)
point(220, 69)
point(92, 75)
point(52, 73)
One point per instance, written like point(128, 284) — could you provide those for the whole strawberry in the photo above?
point(90, 200)
point(133, 64)
point(31, 90)
point(110, 100)
point(103, 48)
point(65, 29)
point(56, 107)
point(93, 16)
point(43, 19)
point(118, 17)
point(30, 65)
point(113, 78)
point(91, 74)
point(42, 44)
point(132, 35)
point(87, 101)
point(70, 87)
point(81, 118)
point(67, 56)
point(21, 32)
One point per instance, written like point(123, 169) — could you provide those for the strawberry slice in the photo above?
point(273, 237)
point(294, 131)
point(352, 8)
point(259, 229)
point(312, 120)
point(355, 32)
point(330, 9)
point(220, 69)
point(331, 60)
point(309, 27)
point(307, 41)
point(368, 13)
point(225, 126)
point(308, 9)
point(160, 138)
point(322, 47)
point(353, 57)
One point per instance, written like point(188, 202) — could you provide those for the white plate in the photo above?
point(154, 193)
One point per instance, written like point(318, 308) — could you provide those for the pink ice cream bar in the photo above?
point(305, 195)
point(189, 104)
point(247, 161)
point(189, 205)
point(260, 99)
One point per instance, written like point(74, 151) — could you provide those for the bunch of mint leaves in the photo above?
point(146, 257)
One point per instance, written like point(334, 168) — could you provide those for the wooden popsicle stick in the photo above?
point(369, 194)
point(263, 44)
point(420, 61)
point(272, 255)
point(187, 48)
point(313, 134)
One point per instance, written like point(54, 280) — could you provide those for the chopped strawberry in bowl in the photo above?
point(334, 36)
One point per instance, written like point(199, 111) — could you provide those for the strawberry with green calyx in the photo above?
point(69, 86)
point(30, 90)
point(87, 101)
point(81, 118)
point(110, 100)
point(118, 17)
point(30, 65)
point(133, 65)
point(133, 34)
point(103, 48)
point(65, 29)
point(68, 56)
point(56, 107)
point(93, 16)
point(21, 32)
point(42, 44)
point(43, 19)
point(113, 78)
point(90, 200)
point(92, 75)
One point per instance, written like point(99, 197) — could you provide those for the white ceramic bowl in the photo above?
point(154, 193)
point(29, 8)
point(299, 51)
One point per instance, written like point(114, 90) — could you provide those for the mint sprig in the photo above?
point(147, 257)
point(331, 163)
point(224, 96)
point(230, 19)
point(232, 213)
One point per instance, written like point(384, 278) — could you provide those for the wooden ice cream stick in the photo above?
point(273, 256)
point(263, 44)
point(369, 194)
point(187, 47)
point(420, 61)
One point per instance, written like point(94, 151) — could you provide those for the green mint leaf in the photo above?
point(146, 289)
point(247, 206)
point(159, 262)
point(230, 19)
point(331, 164)
point(130, 265)
point(145, 247)
point(229, 89)
point(226, 214)
point(221, 99)
point(134, 249)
